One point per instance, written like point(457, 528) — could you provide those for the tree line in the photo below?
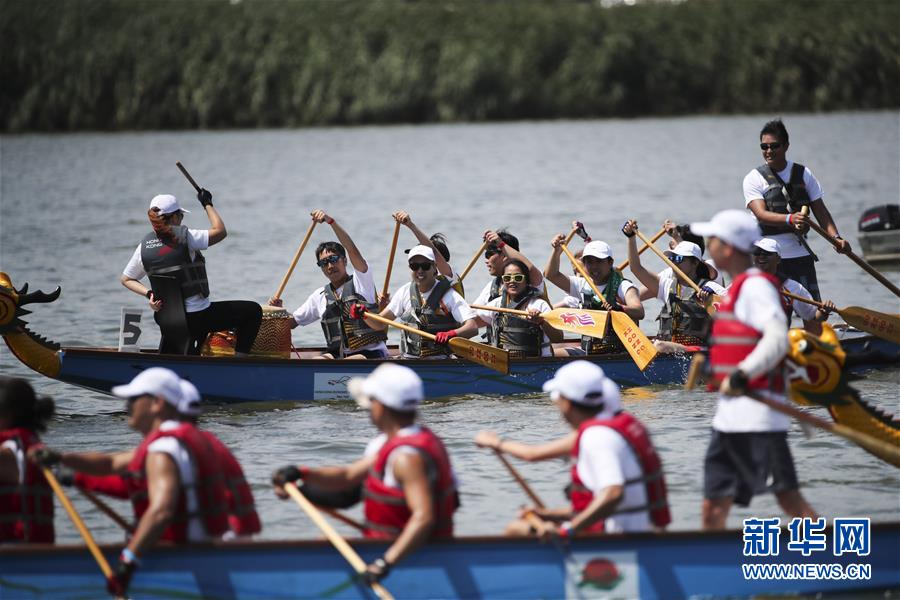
point(165, 64)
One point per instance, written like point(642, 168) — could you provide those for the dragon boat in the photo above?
point(672, 565)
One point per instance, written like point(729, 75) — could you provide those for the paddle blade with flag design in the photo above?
point(636, 343)
point(575, 320)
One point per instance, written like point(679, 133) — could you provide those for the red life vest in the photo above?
point(111, 485)
point(26, 511)
point(732, 340)
point(385, 507)
point(634, 433)
point(209, 484)
point(242, 517)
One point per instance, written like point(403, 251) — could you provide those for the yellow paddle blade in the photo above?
point(877, 323)
point(636, 343)
point(576, 320)
point(489, 356)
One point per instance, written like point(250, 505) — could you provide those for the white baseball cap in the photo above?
point(190, 399)
point(686, 249)
point(596, 249)
point(423, 251)
point(167, 204)
point(769, 245)
point(392, 385)
point(585, 383)
point(735, 227)
point(155, 381)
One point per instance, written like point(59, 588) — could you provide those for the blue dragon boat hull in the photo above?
point(668, 565)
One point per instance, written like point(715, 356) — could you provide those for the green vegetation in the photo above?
point(141, 64)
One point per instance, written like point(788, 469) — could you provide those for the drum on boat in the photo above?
point(273, 339)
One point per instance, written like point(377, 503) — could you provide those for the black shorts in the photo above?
point(740, 465)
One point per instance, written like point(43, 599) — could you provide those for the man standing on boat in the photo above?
point(408, 483)
point(748, 452)
point(775, 192)
point(174, 477)
point(429, 304)
point(617, 480)
point(345, 336)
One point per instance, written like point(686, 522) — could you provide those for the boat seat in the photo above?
point(175, 337)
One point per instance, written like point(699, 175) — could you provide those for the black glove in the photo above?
point(376, 571)
point(46, 457)
point(738, 381)
point(117, 585)
point(205, 197)
point(286, 474)
point(66, 477)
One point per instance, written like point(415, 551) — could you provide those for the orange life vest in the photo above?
point(26, 510)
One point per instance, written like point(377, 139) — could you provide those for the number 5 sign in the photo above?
point(130, 329)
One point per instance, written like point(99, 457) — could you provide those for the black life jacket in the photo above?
point(174, 258)
point(496, 288)
point(428, 316)
point(684, 321)
point(343, 334)
point(610, 342)
point(783, 198)
point(518, 335)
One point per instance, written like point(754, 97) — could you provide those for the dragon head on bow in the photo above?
point(35, 351)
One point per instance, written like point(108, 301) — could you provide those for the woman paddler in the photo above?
point(171, 248)
point(522, 336)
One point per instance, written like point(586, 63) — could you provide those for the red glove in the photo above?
point(442, 337)
point(357, 311)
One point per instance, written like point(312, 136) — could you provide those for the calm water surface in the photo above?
point(72, 209)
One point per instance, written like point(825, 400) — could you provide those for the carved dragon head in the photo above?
point(12, 302)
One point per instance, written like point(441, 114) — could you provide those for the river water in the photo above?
point(72, 209)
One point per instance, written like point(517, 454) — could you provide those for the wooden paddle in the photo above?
point(574, 320)
point(880, 324)
point(649, 243)
point(107, 510)
point(390, 264)
point(865, 266)
point(342, 518)
point(472, 262)
point(334, 537)
point(646, 245)
point(297, 254)
point(489, 356)
point(79, 524)
point(187, 175)
point(520, 480)
point(636, 343)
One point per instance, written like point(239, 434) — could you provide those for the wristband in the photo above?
point(500, 244)
point(148, 294)
point(787, 219)
point(383, 565)
point(330, 221)
point(565, 529)
point(304, 471)
point(129, 557)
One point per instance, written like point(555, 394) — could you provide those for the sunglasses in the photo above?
point(514, 277)
point(490, 252)
point(328, 260)
point(763, 254)
point(773, 146)
point(425, 266)
point(678, 258)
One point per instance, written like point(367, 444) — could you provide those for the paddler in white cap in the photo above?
point(748, 451)
point(617, 482)
point(408, 483)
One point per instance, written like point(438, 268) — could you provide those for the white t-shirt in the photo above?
point(312, 310)
point(182, 458)
point(571, 301)
point(805, 311)
point(578, 286)
point(668, 279)
point(605, 459)
point(197, 239)
point(373, 447)
point(755, 188)
point(488, 317)
point(757, 305)
point(401, 304)
point(13, 447)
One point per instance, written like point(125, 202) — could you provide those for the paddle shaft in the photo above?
point(290, 270)
point(512, 311)
point(581, 271)
point(863, 264)
point(187, 175)
point(474, 260)
point(107, 510)
point(342, 518)
point(802, 299)
point(668, 262)
point(694, 371)
point(390, 265)
point(646, 245)
point(79, 524)
point(334, 537)
point(519, 479)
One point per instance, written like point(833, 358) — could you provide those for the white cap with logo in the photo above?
point(423, 251)
point(686, 249)
point(597, 249)
point(392, 385)
point(735, 227)
point(585, 383)
point(190, 400)
point(769, 245)
point(167, 204)
point(155, 381)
